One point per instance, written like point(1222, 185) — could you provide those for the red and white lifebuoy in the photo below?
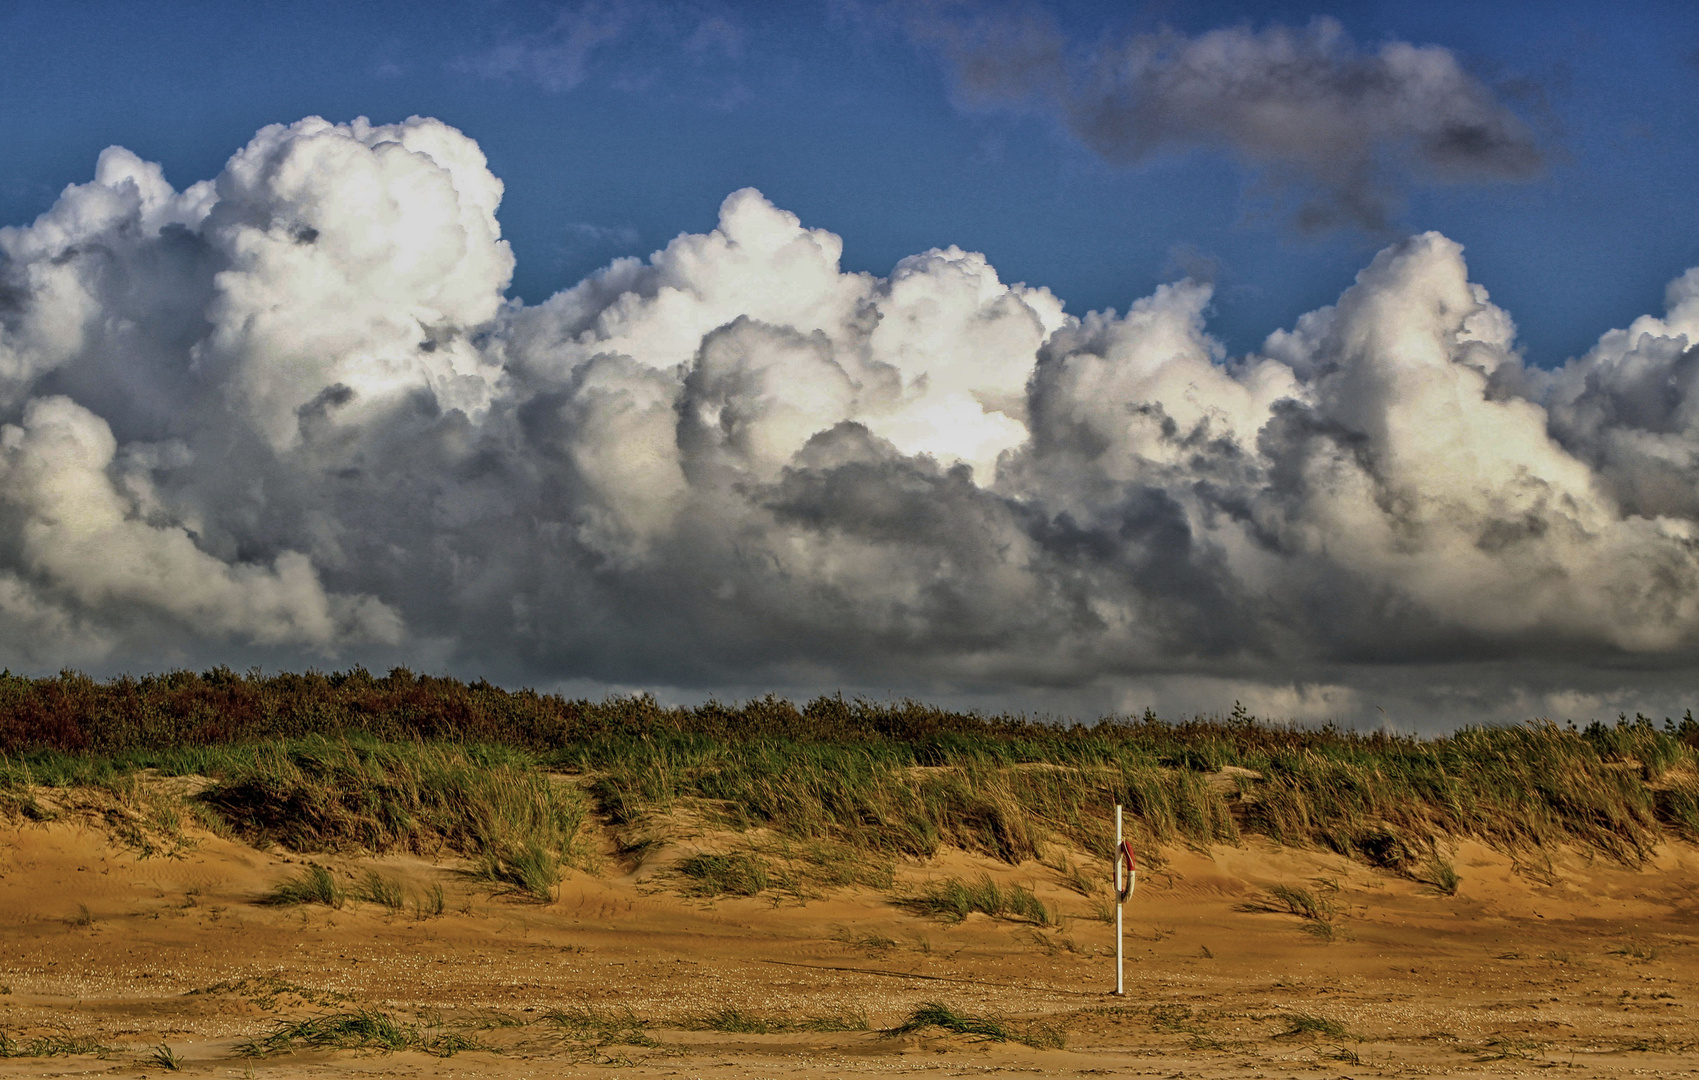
point(1126, 869)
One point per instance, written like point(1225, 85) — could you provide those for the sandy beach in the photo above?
point(1540, 961)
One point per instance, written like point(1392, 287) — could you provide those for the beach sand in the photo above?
point(1556, 961)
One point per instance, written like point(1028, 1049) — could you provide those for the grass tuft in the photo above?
point(50, 1046)
point(1441, 874)
point(1305, 1024)
point(1318, 913)
point(954, 899)
point(1074, 877)
point(734, 874)
point(430, 905)
point(164, 1057)
point(532, 872)
point(313, 885)
point(377, 889)
point(939, 1015)
point(1637, 950)
point(1301, 902)
point(592, 1027)
point(361, 1029)
point(736, 1021)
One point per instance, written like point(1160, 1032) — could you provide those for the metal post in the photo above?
point(1120, 985)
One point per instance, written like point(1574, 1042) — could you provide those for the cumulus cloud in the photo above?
point(287, 413)
point(1343, 127)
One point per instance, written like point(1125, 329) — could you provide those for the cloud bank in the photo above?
point(1343, 128)
point(286, 416)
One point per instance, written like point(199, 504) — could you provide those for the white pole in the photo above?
point(1120, 985)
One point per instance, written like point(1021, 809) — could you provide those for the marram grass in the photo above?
point(353, 761)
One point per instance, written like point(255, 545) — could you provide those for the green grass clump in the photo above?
point(589, 1027)
point(955, 899)
point(936, 1014)
point(377, 889)
point(830, 865)
point(802, 871)
point(355, 793)
point(1638, 950)
point(532, 872)
point(1441, 874)
point(361, 1029)
point(1299, 1025)
point(166, 1058)
point(430, 904)
point(313, 885)
point(736, 1021)
point(1677, 804)
point(50, 1046)
point(1318, 913)
point(1301, 902)
point(1075, 877)
point(736, 874)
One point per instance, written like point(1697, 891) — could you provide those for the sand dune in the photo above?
point(1539, 961)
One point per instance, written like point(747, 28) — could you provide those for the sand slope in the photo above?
point(1542, 961)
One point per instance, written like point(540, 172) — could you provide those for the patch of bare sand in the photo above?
point(1567, 962)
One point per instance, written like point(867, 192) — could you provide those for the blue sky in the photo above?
point(844, 120)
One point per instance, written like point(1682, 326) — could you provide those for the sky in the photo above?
point(1067, 357)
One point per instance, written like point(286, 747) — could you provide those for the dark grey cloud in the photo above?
point(1341, 128)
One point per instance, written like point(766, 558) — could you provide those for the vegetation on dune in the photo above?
point(1304, 1024)
point(802, 870)
point(736, 1021)
point(936, 1014)
point(586, 1026)
point(313, 885)
point(716, 874)
point(50, 1046)
point(955, 899)
point(318, 793)
point(355, 761)
point(367, 1029)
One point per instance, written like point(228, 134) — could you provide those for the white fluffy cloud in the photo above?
point(286, 414)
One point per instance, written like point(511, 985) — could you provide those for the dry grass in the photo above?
point(313, 885)
point(363, 1029)
point(352, 761)
point(954, 900)
point(936, 1014)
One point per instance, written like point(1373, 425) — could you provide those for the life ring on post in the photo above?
point(1126, 862)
